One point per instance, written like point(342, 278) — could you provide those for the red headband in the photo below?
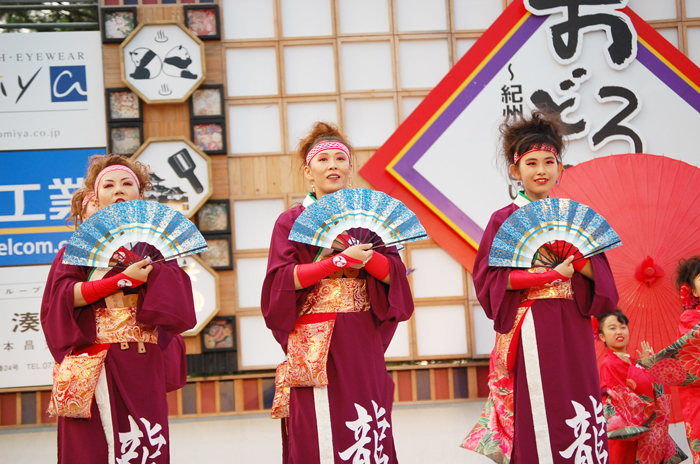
point(116, 167)
point(327, 145)
point(88, 196)
point(538, 147)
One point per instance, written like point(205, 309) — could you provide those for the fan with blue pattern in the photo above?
point(354, 216)
point(126, 232)
point(520, 239)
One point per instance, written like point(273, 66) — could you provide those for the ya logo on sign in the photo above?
point(68, 83)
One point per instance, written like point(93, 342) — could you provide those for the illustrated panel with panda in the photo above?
point(163, 62)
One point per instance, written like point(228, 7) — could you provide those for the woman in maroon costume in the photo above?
point(128, 317)
point(349, 305)
point(543, 366)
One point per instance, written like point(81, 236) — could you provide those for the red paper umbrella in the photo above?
point(653, 203)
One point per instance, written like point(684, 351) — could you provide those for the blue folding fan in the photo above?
point(353, 216)
point(522, 236)
point(120, 235)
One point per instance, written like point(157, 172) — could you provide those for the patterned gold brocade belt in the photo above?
point(557, 290)
point(117, 322)
point(308, 345)
point(337, 296)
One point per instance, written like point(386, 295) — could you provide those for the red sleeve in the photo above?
point(613, 371)
point(689, 319)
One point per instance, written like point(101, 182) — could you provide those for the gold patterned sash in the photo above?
point(75, 378)
point(117, 322)
point(308, 345)
point(555, 290)
point(337, 296)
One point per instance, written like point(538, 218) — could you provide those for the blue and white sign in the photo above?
point(36, 188)
point(51, 91)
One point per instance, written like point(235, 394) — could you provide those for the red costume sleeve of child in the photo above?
point(378, 266)
point(523, 279)
point(309, 274)
point(98, 289)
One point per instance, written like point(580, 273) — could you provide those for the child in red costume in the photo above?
point(637, 405)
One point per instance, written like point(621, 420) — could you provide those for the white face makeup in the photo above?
point(117, 186)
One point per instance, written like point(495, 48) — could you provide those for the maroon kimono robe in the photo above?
point(568, 381)
point(136, 381)
point(360, 391)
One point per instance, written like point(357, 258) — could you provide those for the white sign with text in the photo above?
point(51, 91)
point(25, 360)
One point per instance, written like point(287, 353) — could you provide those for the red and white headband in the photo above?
point(116, 167)
point(88, 196)
point(327, 145)
point(538, 147)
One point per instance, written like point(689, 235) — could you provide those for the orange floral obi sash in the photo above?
point(308, 345)
point(75, 378)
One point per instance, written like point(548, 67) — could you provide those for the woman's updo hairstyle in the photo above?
point(687, 271)
point(99, 162)
point(321, 132)
point(519, 133)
